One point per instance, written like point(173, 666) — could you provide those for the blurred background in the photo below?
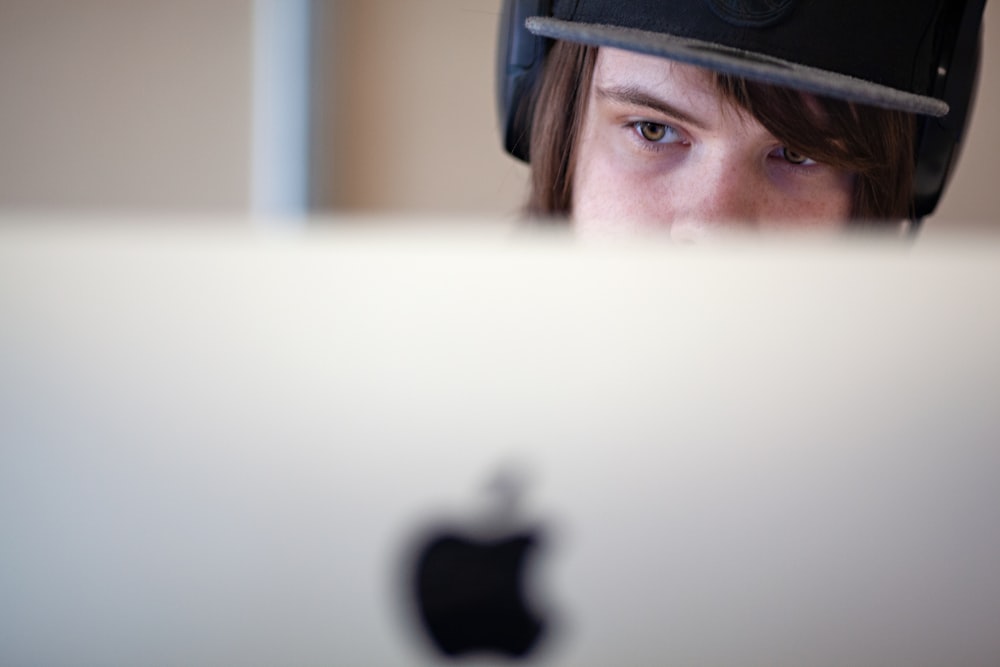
point(294, 107)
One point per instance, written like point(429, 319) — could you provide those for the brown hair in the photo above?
point(875, 144)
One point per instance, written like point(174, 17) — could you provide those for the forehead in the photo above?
point(692, 89)
point(617, 67)
point(669, 79)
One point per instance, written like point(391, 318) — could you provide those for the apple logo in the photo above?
point(470, 581)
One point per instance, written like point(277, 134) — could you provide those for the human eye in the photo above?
point(792, 157)
point(656, 133)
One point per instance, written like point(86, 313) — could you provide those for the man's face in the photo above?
point(661, 149)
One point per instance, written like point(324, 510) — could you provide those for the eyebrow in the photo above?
point(636, 96)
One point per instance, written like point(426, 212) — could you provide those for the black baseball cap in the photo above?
point(877, 52)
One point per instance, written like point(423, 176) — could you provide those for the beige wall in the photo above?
point(414, 109)
point(125, 104)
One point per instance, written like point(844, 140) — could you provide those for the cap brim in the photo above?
point(747, 64)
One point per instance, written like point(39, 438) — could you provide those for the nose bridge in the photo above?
point(722, 188)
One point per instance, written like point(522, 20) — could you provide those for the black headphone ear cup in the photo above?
point(939, 140)
point(520, 58)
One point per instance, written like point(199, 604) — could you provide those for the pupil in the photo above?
point(652, 131)
point(793, 157)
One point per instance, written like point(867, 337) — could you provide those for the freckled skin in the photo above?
point(716, 168)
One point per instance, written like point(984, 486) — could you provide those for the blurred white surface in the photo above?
point(216, 442)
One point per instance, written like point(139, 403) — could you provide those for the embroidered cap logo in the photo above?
point(751, 13)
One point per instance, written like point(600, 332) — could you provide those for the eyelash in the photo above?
point(782, 152)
